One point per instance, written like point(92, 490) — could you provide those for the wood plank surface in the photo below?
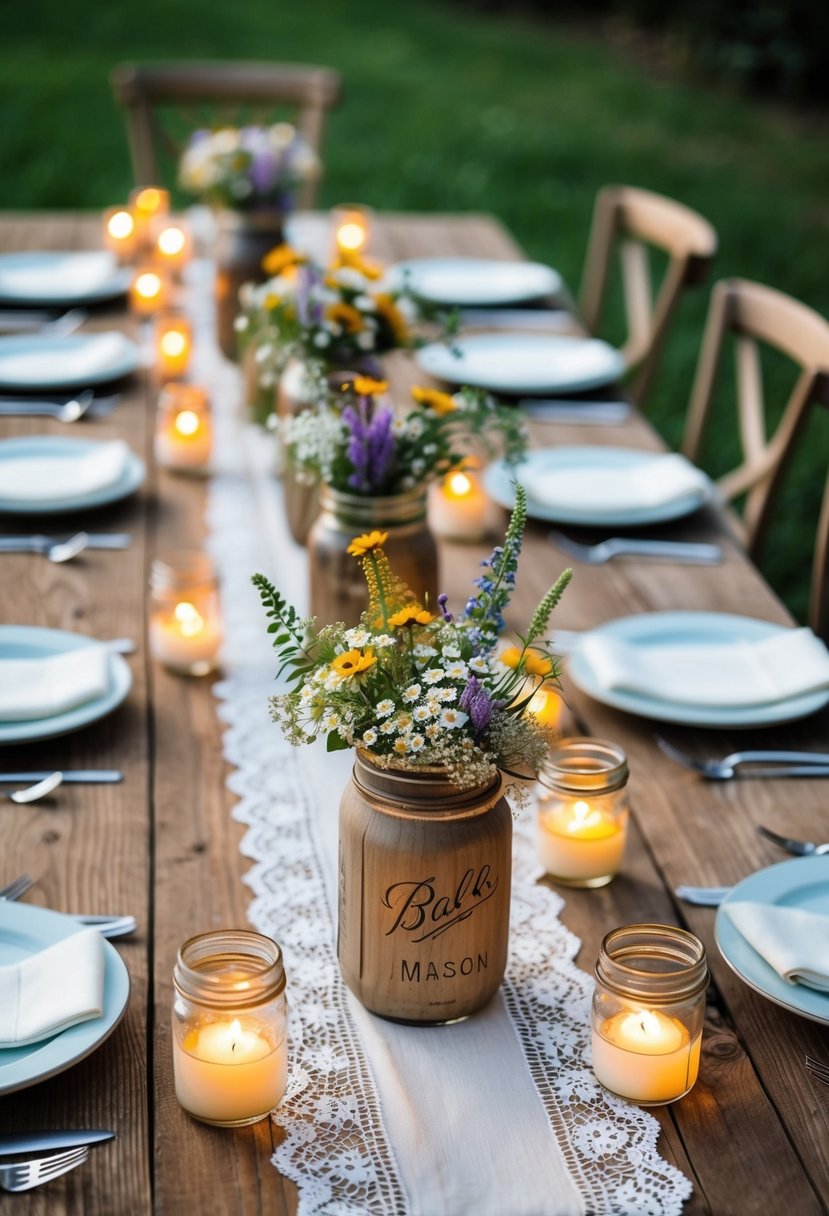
point(753, 1134)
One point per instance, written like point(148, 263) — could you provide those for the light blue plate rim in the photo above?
point(774, 885)
point(688, 627)
point(498, 478)
point(548, 282)
point(30, 641)
point(117, 285)
point(24, 1066)
point(440, 361)
point(56, 445)
point(32, 343)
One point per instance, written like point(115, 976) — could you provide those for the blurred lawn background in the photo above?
point(450, 109)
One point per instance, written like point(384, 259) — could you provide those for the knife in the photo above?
point(80, 776)
point(609, 412)
point(30, 1142)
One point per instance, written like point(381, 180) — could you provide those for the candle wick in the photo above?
point(233, 1046)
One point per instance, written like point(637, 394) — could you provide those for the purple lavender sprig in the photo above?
point(371, 446)
point(476, 701)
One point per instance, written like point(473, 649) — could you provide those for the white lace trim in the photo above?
point(335, 1147)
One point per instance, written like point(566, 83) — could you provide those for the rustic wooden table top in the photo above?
point(753, 1135)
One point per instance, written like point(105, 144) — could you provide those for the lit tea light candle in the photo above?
point(173, 245)
point(120, 235)
point(173, 346)
point(645, 1056)
point(547, 707)
point(458, 507)
point(149, 291)
point(582, 812)
point(230, 1064)
point(184, 430)
point(352, 229)
point(185, 630)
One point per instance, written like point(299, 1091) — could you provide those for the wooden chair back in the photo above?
point(164, 102)
point(633, 221)
point(758, 317)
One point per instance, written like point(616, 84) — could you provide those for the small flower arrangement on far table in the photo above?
point(248, 168)
point(414, 687)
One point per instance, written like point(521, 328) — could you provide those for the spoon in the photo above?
point(65, 550)
point(34, 792)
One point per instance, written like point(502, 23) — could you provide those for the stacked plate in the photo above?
point(59, 280)
point(50, 475)
point(475, 282)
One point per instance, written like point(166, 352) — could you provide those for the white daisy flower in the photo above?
point(389, 727)
point(433, 675)
point(451, 651)
point(382, 641)
point(433, 706)
point(478, 663)
point(370, 736)
point(453, 718)
point(411, 693)
point(401, 746)
point(446, 694)
point(384, 708)
point(422, 651)
point(457, 671)
point(357, 637)
point(331, 720)
point(416, 743)
point(422, 713)
point(432, 730)
point(403, 722)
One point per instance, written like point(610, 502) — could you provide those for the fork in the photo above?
point(623, 546)
point(24, 1175)
point(818, 1070)
point(706, 897)
point(32, 793)
point(772, 763)
point(107, 926)
point(800, 848)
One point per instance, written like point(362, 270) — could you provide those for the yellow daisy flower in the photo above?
point(412, 614)
point(367, 386)
point(434, 399)
point(282, 258)
point(388, 311)
point(534, 664)
point(367, 543)
point(353, 662)
point(343, 314)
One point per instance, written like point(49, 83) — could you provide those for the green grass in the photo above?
point(447, 109)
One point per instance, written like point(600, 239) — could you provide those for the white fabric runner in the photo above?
point(497, 1116)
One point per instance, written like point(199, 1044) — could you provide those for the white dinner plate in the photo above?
point(24, 930)
point(61, 279)
point(524, 364)
point(654, 629)
point(55, 445)
point(37, 362)
point(475, 282)
point(800, 883)
point(31, 642)
point(499, 477)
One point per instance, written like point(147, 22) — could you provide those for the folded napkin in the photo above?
point(787, 664)
point(70, 360)
point(58, 276)
point(31, 479)
point(792, 941)
point(653, 481)
point(41, 688)
point(49, 991)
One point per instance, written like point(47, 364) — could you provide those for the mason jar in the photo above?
point(185, 622)
point(648, 1012)
point(582, 811)
point(338, 589)
point(424, 898)
point(229, 1026)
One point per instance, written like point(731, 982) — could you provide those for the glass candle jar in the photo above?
point(185, 631)
point(172, 345)
point(583, 811)
point(230, 1020)
point(119, 233)
point(183, 429)
point(351, 224)
point(149, 291)
point(648, 1011)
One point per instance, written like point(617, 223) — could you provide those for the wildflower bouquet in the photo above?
point(415, 688)
point(355, 444)
point(247, 168)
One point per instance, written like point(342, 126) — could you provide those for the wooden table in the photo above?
point(754, 1133)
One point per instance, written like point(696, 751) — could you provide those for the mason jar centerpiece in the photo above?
point(250, 176)
point(439, 725)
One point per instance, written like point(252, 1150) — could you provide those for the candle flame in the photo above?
point(171, 241)
point(173, 343)
point(584, 815)
point(187, 423)
point(148, 285)
point(190, 622)
point(235, 1031)
point(458, 485)
point(121, 225)
point(351, 236)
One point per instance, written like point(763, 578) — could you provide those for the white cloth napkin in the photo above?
point(49, 991)
point(29, 479)
point(652, 482)
point(788, 664)
point(70, 360)
point(41, 688)
point(59, 276)
point(791, 940)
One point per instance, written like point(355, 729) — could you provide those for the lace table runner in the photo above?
point(513, 1122)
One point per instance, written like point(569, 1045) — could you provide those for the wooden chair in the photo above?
point(157, 98)
point(634, 221)
point(757, 315)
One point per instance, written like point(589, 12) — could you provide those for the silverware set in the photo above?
point(57, 549)
point(70, 409)
point(107, 926)
point(25, 321)
point(73, 1150)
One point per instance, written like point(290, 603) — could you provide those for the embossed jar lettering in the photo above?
point(424, 892)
